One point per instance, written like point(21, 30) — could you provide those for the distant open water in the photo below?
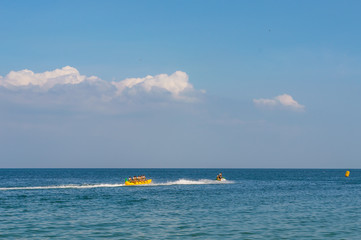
point(180, 204)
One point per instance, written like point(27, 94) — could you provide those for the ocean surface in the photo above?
point(180, 204)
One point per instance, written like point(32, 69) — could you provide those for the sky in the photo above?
point(180, 84)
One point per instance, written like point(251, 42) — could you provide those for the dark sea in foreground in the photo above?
point(180, 204)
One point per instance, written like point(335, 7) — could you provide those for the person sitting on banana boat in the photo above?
point(136, 179)
point(132, 180)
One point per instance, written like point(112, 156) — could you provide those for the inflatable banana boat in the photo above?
point(138, 182)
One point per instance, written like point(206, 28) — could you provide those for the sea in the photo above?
point(180, 204)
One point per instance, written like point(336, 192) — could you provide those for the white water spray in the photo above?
point(105, 185)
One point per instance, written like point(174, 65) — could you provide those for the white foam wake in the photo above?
point(104, 185)
point(64, 186)
point(192, 182)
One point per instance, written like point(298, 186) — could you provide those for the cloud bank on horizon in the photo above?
point(284, 100)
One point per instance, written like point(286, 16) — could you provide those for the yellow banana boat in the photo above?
point(138, 182)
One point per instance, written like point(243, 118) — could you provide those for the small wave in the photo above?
point(64, 187)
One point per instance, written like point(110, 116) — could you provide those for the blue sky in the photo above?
point(180, 84)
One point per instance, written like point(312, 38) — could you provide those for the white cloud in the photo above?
point(175, 85)
point(283, 100)
point(45, 80)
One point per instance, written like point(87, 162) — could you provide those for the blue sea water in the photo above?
point(180, 204)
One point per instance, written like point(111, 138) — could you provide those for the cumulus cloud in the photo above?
point(283, 100)
point(175, 84)
point(45, 80)
point(68, 82)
